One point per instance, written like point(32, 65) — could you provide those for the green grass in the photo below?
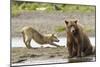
point(60, 29)
point(18, 7)
point(87, 28)
point(15, 10)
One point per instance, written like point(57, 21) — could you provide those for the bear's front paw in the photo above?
point(79, 55)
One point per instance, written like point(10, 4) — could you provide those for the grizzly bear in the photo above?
point(78, 43)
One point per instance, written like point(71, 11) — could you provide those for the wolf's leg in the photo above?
point(54, 44)
point(24, 38)
point(28, 44)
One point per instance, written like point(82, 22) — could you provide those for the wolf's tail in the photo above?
point(19, 30)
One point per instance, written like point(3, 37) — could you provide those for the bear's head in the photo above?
point(72, 26)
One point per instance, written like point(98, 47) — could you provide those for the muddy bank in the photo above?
point(24, 56)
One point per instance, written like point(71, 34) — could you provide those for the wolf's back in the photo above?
point(26, 28)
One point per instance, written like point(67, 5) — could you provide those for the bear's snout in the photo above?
point(72, 29)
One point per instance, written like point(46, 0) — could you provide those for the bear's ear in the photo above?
point(76, 21)
point(66, 22)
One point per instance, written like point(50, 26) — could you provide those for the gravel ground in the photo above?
point(47, 22)
point(24, 56)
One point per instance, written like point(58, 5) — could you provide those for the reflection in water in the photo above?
point(18, 42)
point(81, 59)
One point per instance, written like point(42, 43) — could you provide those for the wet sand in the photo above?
point(44, 55)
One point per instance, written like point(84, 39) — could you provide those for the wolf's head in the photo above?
point(54, 38)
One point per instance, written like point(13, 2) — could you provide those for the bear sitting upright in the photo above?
point(78, 42)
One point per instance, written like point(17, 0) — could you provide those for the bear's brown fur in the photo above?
point(78, 42)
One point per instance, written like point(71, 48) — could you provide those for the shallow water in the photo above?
point(38, 62)
point(18, 42)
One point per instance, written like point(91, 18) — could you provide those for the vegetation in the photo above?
point(20, 6)
point(87, 28)
point(60, 29)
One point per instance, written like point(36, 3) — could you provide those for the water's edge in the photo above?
point(18, 42)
